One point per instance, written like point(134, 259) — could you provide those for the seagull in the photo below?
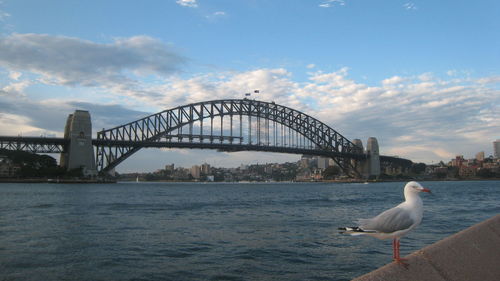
point(395, 222)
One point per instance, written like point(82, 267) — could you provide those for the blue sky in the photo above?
point(421, 76)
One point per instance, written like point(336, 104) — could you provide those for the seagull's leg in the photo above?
point(394, 249)
point(397, 258)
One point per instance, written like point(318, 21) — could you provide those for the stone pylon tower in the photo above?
point(80, 152)
point(358, 164)
point(373, 167)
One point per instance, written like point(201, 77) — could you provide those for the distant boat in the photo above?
point(137, 179)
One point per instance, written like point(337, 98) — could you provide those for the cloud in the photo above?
point(3, 15)
point(14, 75)
point(489, 80)
point(188, 3)
point(273, 84)
point(331, 3)
point(216, 15)
point(410, 6)
point(392, 81)
point(437, 117)
point(72, 61)
point(31, 117)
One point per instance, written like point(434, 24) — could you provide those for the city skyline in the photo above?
point(422, 77)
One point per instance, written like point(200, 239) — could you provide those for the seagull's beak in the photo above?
point(425, 190)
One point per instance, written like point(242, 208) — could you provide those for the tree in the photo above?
point(331, 172)
point(418, 168)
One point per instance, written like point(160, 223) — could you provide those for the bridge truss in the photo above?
point(227, 125)
point(34, 144)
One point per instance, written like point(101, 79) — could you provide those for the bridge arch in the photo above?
point(305, 134)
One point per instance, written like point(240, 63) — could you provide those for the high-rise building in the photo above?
point(305, 160)
point(496, 148)
point(205, 168)
point(323, 162)
point(196, 171)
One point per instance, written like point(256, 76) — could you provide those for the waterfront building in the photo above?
point(458, 161)
point(7, 167)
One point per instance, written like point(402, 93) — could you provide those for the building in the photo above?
point(205, 169)
point(7, 168)
point(323, 162)
point(458, 161)
point(170, 168)
point(196, 171)
point(305, 160)
point(496, 148)
point(480, 156)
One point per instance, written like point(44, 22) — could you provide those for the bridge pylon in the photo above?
point(79, 152)
point(369, 166)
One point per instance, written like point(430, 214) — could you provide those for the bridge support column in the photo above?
point(373, 161)
point(80, 152)
point(370, 167)
point(358, 164)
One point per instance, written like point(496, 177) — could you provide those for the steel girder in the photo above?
point(34, 144)
point(156, 130)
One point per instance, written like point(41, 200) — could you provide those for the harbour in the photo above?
point(216, 231)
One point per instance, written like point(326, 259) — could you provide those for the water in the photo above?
point(190, 231)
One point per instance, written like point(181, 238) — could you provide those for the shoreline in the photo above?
point(92, 181)
point(44, 180)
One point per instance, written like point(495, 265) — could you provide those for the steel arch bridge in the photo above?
point(227, 125)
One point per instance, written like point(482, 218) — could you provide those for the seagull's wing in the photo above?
point(389, 221)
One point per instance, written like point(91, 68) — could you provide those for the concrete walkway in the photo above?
point(471, 254)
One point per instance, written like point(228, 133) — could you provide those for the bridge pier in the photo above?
point(79, 153)
point(370, 167)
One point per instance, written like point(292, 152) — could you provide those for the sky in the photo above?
point(423, 77)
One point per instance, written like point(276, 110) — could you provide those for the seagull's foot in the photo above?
point(402, 262)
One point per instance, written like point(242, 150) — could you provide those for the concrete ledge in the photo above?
point(471, 254)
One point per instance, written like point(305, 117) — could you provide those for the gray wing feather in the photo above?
point(389, 221)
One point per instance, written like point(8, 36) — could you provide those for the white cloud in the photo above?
point(311, 66)
point(392, 81)
point(3, 15)
point(216, 15)
point(452, 72)
point(14, 75)
point(15, 89)
point(72, 61)
point(187, 3)
point(410, 6)
point(489, 80)
point(331, 3)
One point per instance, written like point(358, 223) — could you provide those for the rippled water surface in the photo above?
point(186, 231)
